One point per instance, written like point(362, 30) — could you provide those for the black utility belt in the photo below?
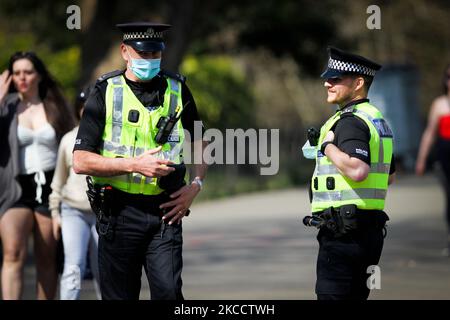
point(103, 198)
point(138, 197)
point(147, 203)
point(346, 219)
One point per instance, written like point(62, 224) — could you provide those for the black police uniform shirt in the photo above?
point(150, 94)
point(352, 136)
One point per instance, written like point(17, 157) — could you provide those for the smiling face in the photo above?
point(25, 77)
point(343, 90)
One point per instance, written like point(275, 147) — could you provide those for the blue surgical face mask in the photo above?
point(309, 152)
point(145, 69)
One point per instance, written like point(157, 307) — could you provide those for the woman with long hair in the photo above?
point(438, 130)
point(34, 116)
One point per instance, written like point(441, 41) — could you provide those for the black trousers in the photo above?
point(342, 263)
point(139, 239)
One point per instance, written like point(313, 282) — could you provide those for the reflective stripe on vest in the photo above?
point(328, 169)
point(352, 194)
point(124, 138)
point(367, 194)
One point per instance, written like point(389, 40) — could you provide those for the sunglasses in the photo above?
point(334, 80)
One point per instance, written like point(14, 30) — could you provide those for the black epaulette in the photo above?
point(347, 112)
point(173, 75)
point(108, 75)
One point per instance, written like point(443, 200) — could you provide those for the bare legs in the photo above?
point(15, 227)
point(45, 256)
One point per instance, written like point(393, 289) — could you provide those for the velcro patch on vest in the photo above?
point(349, 109)
point(152, 108)
point(383, 128)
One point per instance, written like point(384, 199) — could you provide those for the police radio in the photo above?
point(165, 125)
point(313, 136)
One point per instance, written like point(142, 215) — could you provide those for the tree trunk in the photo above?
point(180, 16)
point(96, 38)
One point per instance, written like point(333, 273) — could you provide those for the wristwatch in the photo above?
point(198, 181)
point(324, 145)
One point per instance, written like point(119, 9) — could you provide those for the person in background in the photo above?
point(438, 129)
point(72, 213)
point(34, 116)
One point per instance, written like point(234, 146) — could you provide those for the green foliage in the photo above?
point(64, 64)
point(222, 96)
point(300, 29)
point(290, 27)
point(45, 19)
point(65, 67)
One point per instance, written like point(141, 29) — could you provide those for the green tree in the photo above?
point(211, 80)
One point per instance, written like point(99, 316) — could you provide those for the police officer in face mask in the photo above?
point(130, 143)
point(348, 189)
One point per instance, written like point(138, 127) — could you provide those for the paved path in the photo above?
point(255, 247)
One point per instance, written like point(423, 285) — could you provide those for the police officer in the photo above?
point(353, 169)
point(129, 141)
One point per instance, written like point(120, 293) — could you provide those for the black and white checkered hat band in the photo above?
point(142, 35)
point(350, 67)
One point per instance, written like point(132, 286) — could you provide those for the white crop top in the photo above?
point(38, 149)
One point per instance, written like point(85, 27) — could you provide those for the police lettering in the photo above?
point(382, 128)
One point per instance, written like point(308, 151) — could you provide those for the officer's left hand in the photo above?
point(182, 201)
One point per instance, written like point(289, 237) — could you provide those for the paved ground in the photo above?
point(255, 247)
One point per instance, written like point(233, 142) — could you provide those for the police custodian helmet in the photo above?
point(341, 63)
point(144, 36)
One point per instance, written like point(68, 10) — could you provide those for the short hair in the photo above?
point(367, 82)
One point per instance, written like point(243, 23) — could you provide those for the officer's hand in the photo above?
point(150, 166)
point(56, 226)
point(5, 80)
point(329, 136)
point(182, 201)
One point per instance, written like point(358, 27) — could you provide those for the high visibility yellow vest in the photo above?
point(125, 136)
point(367, 194)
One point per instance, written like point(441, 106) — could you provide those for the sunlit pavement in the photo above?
point(256, 247)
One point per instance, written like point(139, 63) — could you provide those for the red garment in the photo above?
point(444, 127)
